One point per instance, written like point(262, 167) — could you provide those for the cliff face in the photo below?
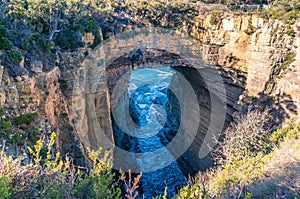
point(258, 60)
point(262, 50)
point(40, 92)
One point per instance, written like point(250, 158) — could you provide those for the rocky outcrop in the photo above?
point(249, 50)
point(97, 84)
point(76, 98)
point(287, 87)
point(259, 48)
point(42, 94)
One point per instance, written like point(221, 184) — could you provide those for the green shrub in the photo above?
point(1, 112)
point(5, 124)
point(291, 131)
point(69, 40)
point(214, 17)
point(86, 24)
point(247, 171)
point(288, 8)
point(4, 41)
point(16, 139)
point(292, 16)
point(14, 57)
point(101, 178)
point(39, 43)
point(249, 195)
point(193, 192)
point(6, 127)
point(25, 119)
point(288, 59)
point(6, 190)
point(238, 173)
point(242, 153)
point(290, 32)
point(49, 176)
point(283, 10)
point(35, 43)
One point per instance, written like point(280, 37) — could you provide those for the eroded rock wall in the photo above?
point(250, 51)
point(260, 48)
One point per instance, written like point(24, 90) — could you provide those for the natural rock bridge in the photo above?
point(110, 65)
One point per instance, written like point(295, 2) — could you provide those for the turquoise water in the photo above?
point(148, 91)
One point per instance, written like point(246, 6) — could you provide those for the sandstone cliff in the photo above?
point(259, 61)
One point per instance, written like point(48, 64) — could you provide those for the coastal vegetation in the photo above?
point(253, 159)
point(251, 162)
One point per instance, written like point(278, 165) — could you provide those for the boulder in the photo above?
point(19, 78)
point(36, 66)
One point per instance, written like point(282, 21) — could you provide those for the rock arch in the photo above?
point(141, 48)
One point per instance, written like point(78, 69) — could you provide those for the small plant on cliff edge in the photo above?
point(197, 188)
point(288, 59)
point(214, 17)
point(25, 119)
point(5, 127)
point(5, 44)
point(131, 184)
point(241, 154)
point(13, 57)
point(2, 112)
point(5, 187)
point(290, 32)
point(247, 137)
point(100, 182)
point(291, 131)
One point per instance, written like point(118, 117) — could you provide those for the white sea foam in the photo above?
point(148, 91)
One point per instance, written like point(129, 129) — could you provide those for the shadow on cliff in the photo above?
point(281, 107)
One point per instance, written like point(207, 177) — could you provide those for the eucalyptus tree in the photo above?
point(53, 15)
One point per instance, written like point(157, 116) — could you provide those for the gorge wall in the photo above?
point(259, 48)
point(250, 63)
point(250, 53)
